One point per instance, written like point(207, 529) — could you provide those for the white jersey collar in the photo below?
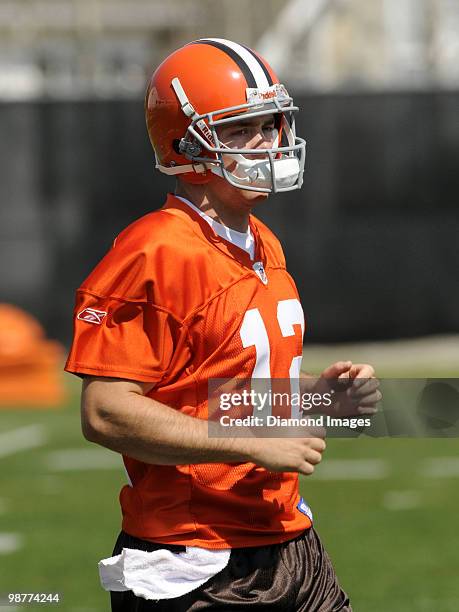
point(243, 240)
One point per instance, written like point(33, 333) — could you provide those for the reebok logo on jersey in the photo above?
point(91, 315)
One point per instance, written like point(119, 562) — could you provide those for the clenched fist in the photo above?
point(288, 454)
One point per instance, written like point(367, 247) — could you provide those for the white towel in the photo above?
point(161, 574)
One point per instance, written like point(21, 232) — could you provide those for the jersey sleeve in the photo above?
point(120, 330)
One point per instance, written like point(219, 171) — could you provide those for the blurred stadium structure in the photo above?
point(73, 48)
point(371, 239)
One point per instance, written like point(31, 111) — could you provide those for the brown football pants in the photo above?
point(295, 576)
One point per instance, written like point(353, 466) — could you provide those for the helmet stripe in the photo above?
point(262, 64)
point(249, 65)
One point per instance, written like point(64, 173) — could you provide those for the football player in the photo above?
point(195, 291)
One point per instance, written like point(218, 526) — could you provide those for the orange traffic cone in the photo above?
point(30, 365)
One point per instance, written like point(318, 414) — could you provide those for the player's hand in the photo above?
point(355, 387)
point(288, 454)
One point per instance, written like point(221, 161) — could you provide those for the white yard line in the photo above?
point(401, 500)
point(352, 469)
point(440, 467)
point(95, 459)
point(10, 542)
point(430, 354)
point(24, 438)
point(83, 459)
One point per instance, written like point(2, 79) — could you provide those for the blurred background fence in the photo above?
point(371, 239)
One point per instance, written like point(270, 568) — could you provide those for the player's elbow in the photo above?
point(107, 407)
point(92, 425)
point(90, 428)
point(95, 425)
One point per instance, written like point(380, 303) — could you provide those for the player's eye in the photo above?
point(249, 131)
point(242, 131)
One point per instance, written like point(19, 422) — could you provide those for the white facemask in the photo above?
point(258, 173)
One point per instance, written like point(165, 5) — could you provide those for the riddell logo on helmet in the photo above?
point(202, 125)
point(262, 95)
point(267, 94)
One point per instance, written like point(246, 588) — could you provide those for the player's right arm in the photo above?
point(116, 414)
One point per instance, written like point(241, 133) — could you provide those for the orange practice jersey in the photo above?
point(174, 304)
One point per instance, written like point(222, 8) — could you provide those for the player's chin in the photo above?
point(253, 197)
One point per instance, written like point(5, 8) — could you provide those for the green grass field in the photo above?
point(389, 526)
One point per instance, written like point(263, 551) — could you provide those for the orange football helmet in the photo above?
point(209, 83)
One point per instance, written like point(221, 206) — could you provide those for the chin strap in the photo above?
point(189, 111)
point(186, 105)
point(172, 170)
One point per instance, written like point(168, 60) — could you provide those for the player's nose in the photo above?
point(260, 141)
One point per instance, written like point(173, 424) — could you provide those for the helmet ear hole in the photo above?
point(176, 146)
